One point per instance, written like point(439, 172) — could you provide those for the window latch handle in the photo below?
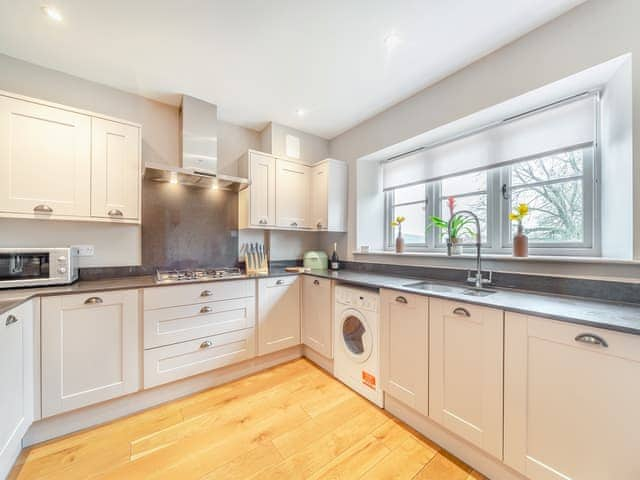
point(505, 191)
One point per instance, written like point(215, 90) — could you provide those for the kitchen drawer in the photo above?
point(161, 297)
point(164, 326)
point(173, 362)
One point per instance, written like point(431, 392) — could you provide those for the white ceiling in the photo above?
point(261, 60)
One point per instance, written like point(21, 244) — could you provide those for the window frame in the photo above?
point(499, 228)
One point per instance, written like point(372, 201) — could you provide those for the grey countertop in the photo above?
point(620, 317)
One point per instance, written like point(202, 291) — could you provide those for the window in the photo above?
point(558, 188)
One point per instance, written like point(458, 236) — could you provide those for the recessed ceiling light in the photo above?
point(391, 41)
point(301, 112)
point(52, 12)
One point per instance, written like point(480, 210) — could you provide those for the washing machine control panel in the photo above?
point(361, 299)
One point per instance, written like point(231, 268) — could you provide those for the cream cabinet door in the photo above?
point(115, 170)
point(262, 194)
point(571, 401)
point(90, 349)
point(465, 371)
point(45, 159)
point(279, 314)
point(317, 315)
point(404, 334)
point(292, 194)
point(319, 197)
point(16, 382)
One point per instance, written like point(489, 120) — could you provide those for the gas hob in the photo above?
point(196, 274)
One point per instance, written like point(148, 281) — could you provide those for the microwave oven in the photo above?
point(34, 267)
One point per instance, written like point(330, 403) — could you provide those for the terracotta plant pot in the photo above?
point(520, 243)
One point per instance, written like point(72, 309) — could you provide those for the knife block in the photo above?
point(256, 268)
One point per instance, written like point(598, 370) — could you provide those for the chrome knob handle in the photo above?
point(463, 312)
point(62, 270)
point(206, 344)
point(401, 299)
point(279, 282)
point(206, 309)
point(319, 224)
point(316, 282)
point(93, 300)
point(294, 224)
point(11, 319)
point(591, 339)
point(43, 208)
point(206, 293)
point(115, 213)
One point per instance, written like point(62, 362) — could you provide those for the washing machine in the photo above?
point(356, 349)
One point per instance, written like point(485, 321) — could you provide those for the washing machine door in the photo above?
point(356, 336)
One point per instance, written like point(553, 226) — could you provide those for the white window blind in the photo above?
point(559, 127)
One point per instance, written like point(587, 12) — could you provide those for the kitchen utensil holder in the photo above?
point(256, 267)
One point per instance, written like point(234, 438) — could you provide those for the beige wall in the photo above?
point(590, 34)
point(312, 148)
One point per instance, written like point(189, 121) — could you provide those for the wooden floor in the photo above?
point(292, 421)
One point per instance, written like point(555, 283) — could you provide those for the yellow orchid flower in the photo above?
point(394, 224)
point(514, 216)
point(400, 219)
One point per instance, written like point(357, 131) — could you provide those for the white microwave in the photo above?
point(34, 267)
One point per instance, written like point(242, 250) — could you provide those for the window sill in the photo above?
point(505, 257)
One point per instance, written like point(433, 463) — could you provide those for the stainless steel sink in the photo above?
point(478, 292)
point(431, 287)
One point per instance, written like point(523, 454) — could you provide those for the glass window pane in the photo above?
point(467, 183)
point(413, 228)
point(561, 165)
point(475, 203)
point(556, 212)
point(414, 193)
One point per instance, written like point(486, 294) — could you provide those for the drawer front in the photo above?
point(173, 362)
point(165, 326)
point(162, 297)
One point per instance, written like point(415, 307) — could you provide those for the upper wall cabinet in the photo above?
point(60, 163)
point(291, 195)
point(115, 170)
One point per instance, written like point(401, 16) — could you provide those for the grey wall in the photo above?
point(590, 34)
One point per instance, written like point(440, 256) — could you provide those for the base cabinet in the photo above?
point(465, 372)
point(90, 349)
point(279, 314)
point(16, 375)
point(571, 401)
point(317, 315)
point(404, 333)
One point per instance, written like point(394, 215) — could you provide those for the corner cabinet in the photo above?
point(90, 349)
point(278, 314)
point(465, 371)
point(60, 163)
point(404, 334)
point(292, 195)
point(17, 377)
point(317, 315)
point(571, 400)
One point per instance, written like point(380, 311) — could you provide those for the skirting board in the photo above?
point(94, 415)
point(480, 461)
point(320, 360)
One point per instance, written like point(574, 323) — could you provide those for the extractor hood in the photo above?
point(199, 148)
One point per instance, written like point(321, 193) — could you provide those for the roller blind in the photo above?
point(563, 126)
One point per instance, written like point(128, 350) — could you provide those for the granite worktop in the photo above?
point(622, 317)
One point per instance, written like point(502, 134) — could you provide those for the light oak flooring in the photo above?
point(290, 422)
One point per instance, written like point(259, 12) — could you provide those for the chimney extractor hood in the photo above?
point(199, 147)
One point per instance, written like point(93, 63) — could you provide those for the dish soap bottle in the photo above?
point(334, 264)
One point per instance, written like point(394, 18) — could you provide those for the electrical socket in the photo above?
point(85, 250)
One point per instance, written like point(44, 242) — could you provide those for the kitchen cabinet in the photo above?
point(465, 371)
point(404, 334)
point(115, 170)
point(45, 160)
point(329, 195)
point(257, 203)
point(16, 378)
point(90, 349)
point(317, 315)
point(571, 400)
point(293, 184)
point(279, 314)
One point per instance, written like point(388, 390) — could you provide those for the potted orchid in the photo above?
point(399, 239)
point(459, 226)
